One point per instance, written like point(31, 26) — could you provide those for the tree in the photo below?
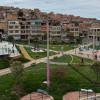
point(36, 42)
point(10, 39)
point(17, 70)
point(82, 60)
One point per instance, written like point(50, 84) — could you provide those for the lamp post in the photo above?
point(48, 63)
point(29, 34)
point(93, 40)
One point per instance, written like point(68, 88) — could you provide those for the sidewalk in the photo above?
point(32, 61)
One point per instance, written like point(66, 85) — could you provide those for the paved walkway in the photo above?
point(24, 52)
point(28, 64)
point(71, 96)
point(72, 52)
point(77, 96)
point(37, 96)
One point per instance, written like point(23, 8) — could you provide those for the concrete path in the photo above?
point(71, 52)
point(7, 70)
point(80, 96)
point(71, 96)
point(24, 52)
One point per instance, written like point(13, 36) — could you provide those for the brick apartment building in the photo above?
point(3, 29)
point(95, 31)
point(32, 25)
point(33, 28)
point(24, 29)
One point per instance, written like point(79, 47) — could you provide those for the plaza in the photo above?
point(49, 55)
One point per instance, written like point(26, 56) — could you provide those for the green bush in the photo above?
point(4, 63)
point(22, 59)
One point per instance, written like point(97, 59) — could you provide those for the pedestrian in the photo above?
point(96, 56)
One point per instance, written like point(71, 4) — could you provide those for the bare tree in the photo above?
point(17, 70)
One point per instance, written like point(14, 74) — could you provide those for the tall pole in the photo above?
point(6, 22)
point(29, 34)
point(48, 63)
point(61, 25)
point(93, 40)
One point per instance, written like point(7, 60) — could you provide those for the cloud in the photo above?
point(88, 8)
point(15, 2)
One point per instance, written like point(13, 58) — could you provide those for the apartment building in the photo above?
point(14, 29)
point(3, 29)
point(95, 31)
point(72, 29)
point(31, 29)
point(25, 29)
point(84, 29)
point(55, 33)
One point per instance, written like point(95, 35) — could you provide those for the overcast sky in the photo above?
point(85, 8)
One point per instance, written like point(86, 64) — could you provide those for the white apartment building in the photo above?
point(55, 33)
point(14, 29)
point(95, 32)
point(24, 29)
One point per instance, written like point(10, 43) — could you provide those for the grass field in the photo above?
point(4, 63)
point(63, 59)
point(63, 80)
point(37, 55)
point(65, 47)
point(71, 59)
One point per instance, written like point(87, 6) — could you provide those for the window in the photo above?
point(23, 31)
point(12, 22)
point(11, 27)
point(16, 31)
point(76, 29)
point(27, 27)
point(22, 27)
point(11, 31)
point(27, 31)
point(98, 29)
point(16, 27)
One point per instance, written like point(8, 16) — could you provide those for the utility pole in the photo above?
point(48, 63)
point(61, 25)
point(93, 40)
point(29, 34)
point(5, 17)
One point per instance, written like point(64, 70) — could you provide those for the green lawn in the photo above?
point(63, 59)
point(63, 80)
point(68, 59)
point(65, 47)
point(77, 59)
point(4, 63)
point(38, 54)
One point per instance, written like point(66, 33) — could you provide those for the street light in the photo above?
point(48, 63)
point(93, 40)
point(29, 35)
